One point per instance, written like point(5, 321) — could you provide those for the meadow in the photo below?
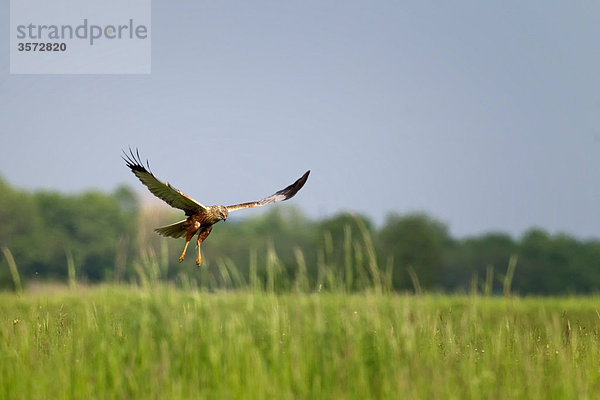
point(163, 342)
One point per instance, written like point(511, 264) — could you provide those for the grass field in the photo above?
point(164, 343)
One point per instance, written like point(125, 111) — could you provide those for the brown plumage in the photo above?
point(200, 218)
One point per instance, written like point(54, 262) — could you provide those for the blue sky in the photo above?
point(484, 115)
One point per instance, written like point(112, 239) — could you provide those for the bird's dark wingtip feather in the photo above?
point(134, 161)
point(300, 182)
point(294, 188)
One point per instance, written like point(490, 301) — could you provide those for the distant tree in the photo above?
point(41, 228)
point(556, 264)
point(416, 241)
point(586, 266)
point(477, 256)
point(90, 226)
point(20, 226)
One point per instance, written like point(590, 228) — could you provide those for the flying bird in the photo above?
point(200, 219)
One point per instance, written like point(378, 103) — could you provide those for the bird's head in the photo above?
point(222, 212)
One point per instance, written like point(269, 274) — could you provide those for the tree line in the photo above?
point(109, 237)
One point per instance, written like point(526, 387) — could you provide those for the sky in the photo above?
point(484, 115)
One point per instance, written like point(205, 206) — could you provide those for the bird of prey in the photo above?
point(200, 218)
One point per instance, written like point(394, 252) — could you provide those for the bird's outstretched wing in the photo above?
point(164, 191)
point(281, 195)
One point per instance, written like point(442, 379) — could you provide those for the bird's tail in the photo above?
point(175, 230)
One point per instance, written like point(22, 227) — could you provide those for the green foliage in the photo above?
point(118, 342)
point(416, 241)
point(93, 237)
point(20, 229)
point(566, 264)
point(478, 257)
point(46, 231)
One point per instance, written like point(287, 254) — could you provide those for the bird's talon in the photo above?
point(181, 258)
point(198, 261)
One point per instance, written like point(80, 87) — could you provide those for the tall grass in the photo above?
point(510, 272)
point(72, 279)
point(162, 342)
point(14, 271)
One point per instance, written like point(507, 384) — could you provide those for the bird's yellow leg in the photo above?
point(184, 249)
point(201, 237)
point(199, 259)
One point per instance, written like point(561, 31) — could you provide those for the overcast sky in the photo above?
point(485, 115)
